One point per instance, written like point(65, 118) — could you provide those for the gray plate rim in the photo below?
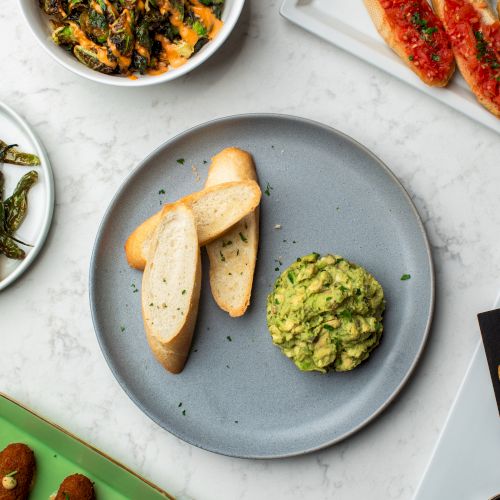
point(49, 209)
point(258, 116)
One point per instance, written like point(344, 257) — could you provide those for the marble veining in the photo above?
point(96, 134)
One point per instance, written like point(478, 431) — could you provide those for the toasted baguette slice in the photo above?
point(215, 209)
point(432, 61)
point(467, 63)
point(233, 256)
point(171, 287)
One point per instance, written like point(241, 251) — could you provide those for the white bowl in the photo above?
point(39, 24)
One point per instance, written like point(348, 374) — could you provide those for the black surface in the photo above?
point(489, 322)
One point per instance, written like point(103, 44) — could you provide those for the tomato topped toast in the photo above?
point(417, 35)
point(474, 31)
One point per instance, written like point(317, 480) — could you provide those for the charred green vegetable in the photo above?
point(9, 248)
point(91, 59)
point(56, 8)
point(16, 206)
point(133, 36)
point(10, 154)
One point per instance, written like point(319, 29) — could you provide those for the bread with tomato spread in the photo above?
point(474, 31)
point(417, 36)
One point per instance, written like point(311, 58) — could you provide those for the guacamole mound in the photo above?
point(326, 313)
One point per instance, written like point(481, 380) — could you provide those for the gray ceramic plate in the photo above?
point(242, 397)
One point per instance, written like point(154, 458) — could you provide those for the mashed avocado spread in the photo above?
point(326, 312)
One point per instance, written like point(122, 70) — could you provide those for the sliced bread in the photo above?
point(233, 256)
point(215, 209)
point(467, 60)
point(171, 287)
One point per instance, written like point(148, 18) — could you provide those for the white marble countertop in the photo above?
point(96, 134)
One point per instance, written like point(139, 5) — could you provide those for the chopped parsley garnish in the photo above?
point(229, 338)
point(291, 277)
point(222, 257)
point(122, 329)
point(183, 413)
point(243, 237)
point(161, 191)
point(276, 268)
point(180, 404)
point(181, 161)
point(405, 277)
point(346, 314)
point(422, 25)
point(268, 189)
point(11, 474)
point(435, 58)
point(410, 58)
point(328, 298)
point(343, 288)
point(183, 292)
point(226, 243)
point(329, 328)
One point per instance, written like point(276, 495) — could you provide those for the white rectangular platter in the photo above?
point(465, 462)
point(346, 23)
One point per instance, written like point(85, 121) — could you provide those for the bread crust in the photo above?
point(488, 16)
point(137, 242)
point(233, 164)
point(381, 22)
point(172, 354)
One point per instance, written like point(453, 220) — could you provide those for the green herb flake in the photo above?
point(200, 30)
point(229, 338)
point(410, 58)
point(122, 329)
point(181, 161)
point(222, 257)
point(291, 277)
point(11, 474)
point(161, 191)
point(183, 413)
point(180, 404)
point(329, 328)
point(405, 277)
point(345, 314)
point(243, 237)
point(183, 292)
point(268, 189)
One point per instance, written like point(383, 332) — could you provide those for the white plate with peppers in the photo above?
point(27, 196)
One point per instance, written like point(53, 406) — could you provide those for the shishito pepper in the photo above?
point(16, 206)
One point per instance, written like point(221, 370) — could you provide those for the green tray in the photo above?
point(59, 454)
